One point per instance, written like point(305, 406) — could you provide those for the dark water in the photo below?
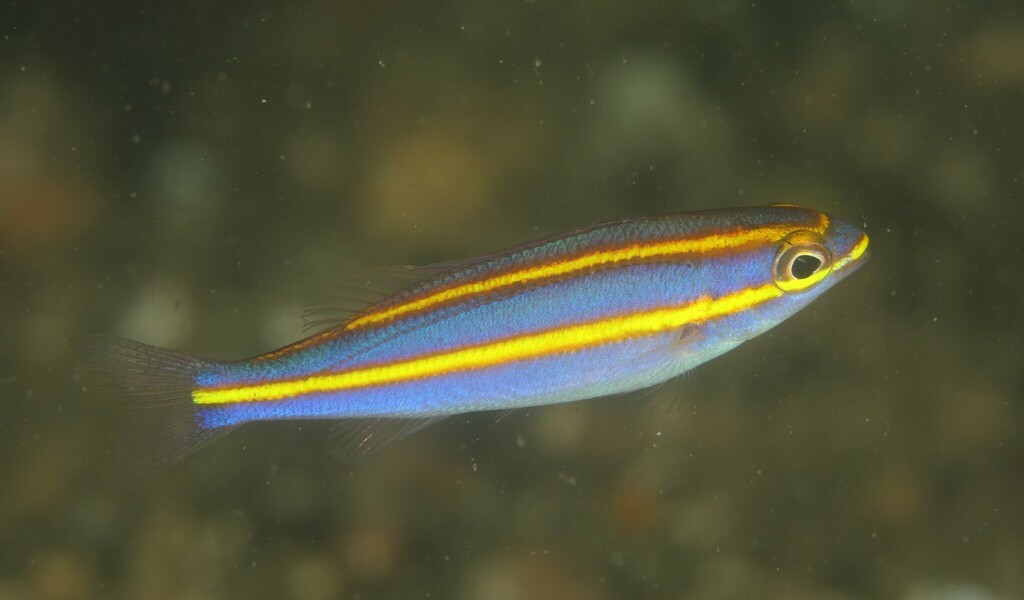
point(188, 175)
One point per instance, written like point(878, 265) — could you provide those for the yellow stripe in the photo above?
point(630, 253)
point(855, 254)
point(566, 339)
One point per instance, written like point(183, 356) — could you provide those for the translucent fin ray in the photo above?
point(340, 303)
point(356, 440)
point(154, 386)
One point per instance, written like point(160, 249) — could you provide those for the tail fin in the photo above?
point(161, 423)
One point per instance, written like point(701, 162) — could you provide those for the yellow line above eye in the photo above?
point(581, 263)
point(697, 245)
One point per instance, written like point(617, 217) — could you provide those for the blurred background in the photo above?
point(189, 174)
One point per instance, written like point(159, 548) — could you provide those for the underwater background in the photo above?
point(189, 174)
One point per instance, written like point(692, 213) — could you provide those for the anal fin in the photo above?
point(356, 440)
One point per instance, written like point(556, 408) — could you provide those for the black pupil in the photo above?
point(805, 265)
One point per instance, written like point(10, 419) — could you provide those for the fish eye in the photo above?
point(804, 265)
point(801, 261)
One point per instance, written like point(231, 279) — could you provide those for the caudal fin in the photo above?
point(161, 423)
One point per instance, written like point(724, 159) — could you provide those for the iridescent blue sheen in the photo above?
point(584, 297)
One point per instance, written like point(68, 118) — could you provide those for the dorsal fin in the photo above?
point(364, 290)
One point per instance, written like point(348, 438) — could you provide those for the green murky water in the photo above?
point(189, 175)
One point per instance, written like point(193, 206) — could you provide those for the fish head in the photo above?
point(806, 253)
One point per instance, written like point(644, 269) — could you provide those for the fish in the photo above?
point(599, 311)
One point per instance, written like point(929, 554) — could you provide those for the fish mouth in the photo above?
point(856, 257)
